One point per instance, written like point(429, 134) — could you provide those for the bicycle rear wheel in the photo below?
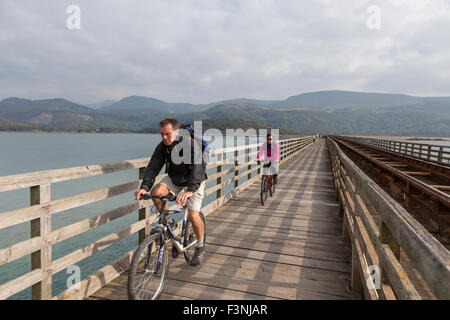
point(264, 187)
point(148, 269)
point(189, 237)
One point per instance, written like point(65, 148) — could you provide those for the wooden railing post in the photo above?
point(236, 172)
point(144, 213)
point(249, 167)
point(219, 179)
point(41, 227)
point(258, 172)
point(441, 150)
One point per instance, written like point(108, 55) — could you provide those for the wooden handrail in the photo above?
point(379, 229)
point(423, 151)
point(42, 208)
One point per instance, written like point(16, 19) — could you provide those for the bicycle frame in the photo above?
point(163, 226)
point(270, 181)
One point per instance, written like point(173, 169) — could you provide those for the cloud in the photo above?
point(201, 51)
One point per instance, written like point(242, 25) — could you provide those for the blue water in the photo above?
point(29, 152)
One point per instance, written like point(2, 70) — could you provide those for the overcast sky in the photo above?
point(209, 50)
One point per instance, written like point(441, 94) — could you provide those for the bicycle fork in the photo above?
point(160, 255)
point(158, 263)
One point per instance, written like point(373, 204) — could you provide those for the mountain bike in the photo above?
point(267, 184)
point(150, 262)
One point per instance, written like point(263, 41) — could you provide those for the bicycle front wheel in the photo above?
point(148, 269)
point(264, 187)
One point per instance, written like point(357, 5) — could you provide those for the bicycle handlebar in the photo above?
point(148, 196)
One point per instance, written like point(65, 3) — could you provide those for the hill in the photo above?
point(324, 111)
point(24, 110)
point(333, 99)
point(135, 103)
point(389, 121)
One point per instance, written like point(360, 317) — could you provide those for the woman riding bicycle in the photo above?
point(271, 152)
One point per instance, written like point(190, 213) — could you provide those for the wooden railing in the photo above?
point(42, 207)
point(379, 230)
point(429, 152)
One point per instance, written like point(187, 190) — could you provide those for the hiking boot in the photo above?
point(275, 179)
point(198, 256)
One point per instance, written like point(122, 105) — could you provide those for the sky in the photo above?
point(202, 51)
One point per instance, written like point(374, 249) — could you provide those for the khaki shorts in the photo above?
point(195, 201)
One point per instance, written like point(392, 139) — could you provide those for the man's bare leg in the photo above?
point(199, 229)
point(160, 189)
point(197, 223)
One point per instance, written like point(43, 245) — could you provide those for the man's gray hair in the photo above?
point(172, 121)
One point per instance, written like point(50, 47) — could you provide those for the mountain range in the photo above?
point(334, 112)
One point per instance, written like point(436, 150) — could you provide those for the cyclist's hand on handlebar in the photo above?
point(138, 193)
point(182, 198)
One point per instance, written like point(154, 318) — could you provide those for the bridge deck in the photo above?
point(291, 248)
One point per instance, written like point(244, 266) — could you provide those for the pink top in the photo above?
point(275, 152)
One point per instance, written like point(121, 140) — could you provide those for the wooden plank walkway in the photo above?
point(291, 248)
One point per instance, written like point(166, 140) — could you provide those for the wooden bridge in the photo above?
point(328, 233)
point(291, 248)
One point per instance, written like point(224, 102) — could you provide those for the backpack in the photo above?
point(205, 148)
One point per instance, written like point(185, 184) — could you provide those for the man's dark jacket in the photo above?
point(182, 175)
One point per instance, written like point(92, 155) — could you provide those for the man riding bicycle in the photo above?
point(186, 176)
point(271, 152)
